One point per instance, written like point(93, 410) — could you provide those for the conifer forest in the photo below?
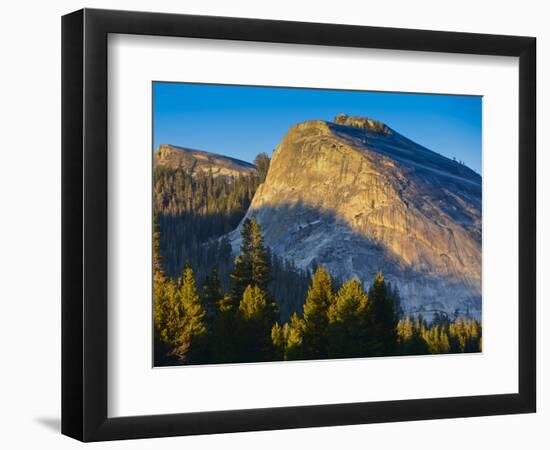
point(221, 295)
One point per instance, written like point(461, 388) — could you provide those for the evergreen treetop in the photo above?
point(319, 297)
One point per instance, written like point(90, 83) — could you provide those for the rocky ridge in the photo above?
point(356, 196)
point(194, 161)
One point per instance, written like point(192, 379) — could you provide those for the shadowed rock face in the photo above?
point(194, 161)
point(358, 197)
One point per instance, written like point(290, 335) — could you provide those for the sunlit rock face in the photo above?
point(362, 122)
point(358, 197)
point(195, 161)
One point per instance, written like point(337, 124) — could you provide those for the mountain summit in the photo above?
point(193, 161)
point(363, 123)
point(356, 196)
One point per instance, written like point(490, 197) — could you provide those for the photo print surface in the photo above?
point(307, 224)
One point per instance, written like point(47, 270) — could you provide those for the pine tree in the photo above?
point(288, 339)
point(294, 338)
point(409, 338)
point(159, 280)
point(162, 305)
point(167, 316)
point(382, 316)
point(212, 294)
point(395, 298)
point(262, 162)
point(432, 337)
point(242, 274)
point(157, 258)
point(253, 306)
point(255, 326)
point(278, 339)
point(225, 340)
point(444, 345)
point(160, 301)
point(348, 328)
point(475, 336)
point(190, 341)
point(261, 268)
point(465, 335)
point(458, 336)
point(259, 257)
point(318, 300)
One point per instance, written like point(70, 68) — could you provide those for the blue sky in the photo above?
point(242, 121)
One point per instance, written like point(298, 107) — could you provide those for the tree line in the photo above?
point(210, 324)
point(195, 213)
point(192, 209)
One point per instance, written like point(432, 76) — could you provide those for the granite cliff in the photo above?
point(193, 161)
point(356, 196)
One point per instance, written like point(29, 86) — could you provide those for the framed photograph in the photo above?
point(273, 224)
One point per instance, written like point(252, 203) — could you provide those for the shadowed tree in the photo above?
point(259, 257)
point(261, 268)
point(212, 294)
point(225, 341)
point(382, 317)
point(242, 274)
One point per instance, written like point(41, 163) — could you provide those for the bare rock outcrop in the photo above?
point(195, 161)
point(358, 197)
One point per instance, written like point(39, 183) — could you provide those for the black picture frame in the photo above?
point(84, 224)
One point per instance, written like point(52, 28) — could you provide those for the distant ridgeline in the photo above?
point(199, 198)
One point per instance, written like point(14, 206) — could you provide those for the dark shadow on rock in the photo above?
point(290, 229)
